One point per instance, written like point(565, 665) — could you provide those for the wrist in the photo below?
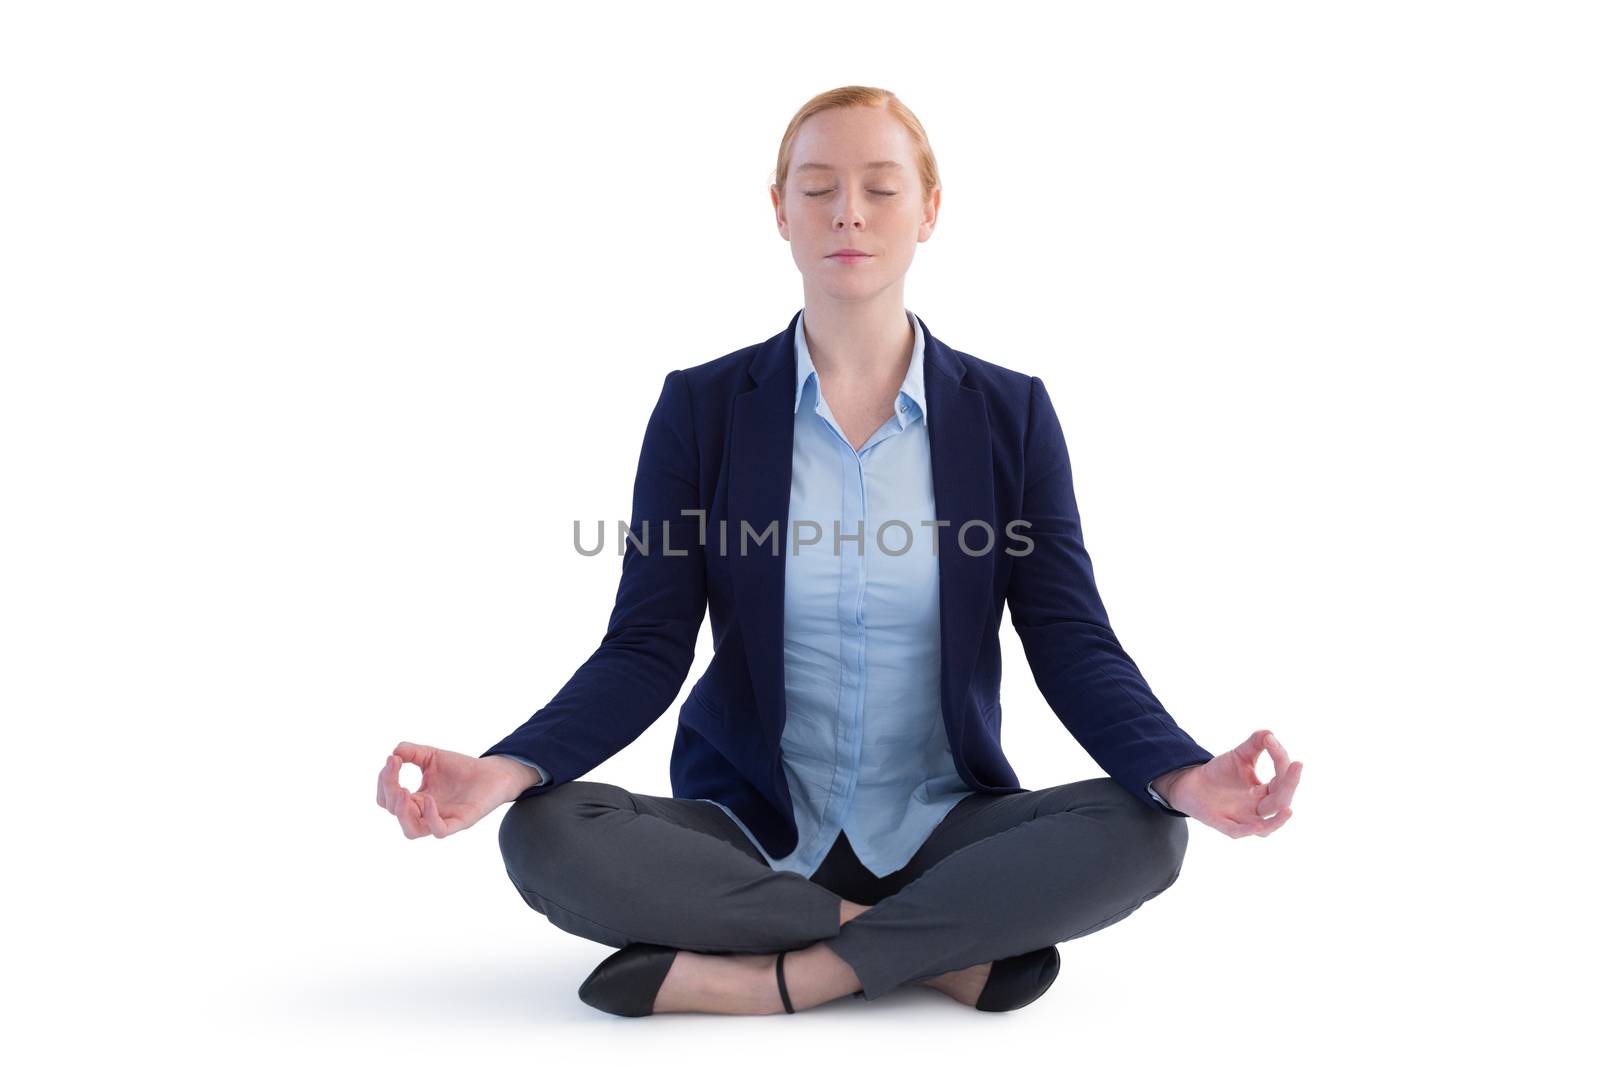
point(1165, 784)
point(514, 776)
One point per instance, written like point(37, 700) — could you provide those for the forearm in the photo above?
point(1100, 695)
point(611, 700)
point(1091, 683)
point(648, 649)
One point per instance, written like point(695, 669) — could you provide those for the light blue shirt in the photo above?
point(864, 743)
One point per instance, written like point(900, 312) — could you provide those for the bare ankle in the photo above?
point(849, 909)
point(964, 985)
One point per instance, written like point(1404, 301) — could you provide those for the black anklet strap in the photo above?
point(783, 990)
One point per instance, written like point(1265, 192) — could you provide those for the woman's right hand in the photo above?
point(457, 789)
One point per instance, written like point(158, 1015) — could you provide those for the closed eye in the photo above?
point(875, 192)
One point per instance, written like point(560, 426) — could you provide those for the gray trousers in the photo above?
point(1001, 875)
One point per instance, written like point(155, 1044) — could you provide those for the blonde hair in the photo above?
point(861, 96)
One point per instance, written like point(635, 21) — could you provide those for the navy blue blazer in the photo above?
point(719, 447)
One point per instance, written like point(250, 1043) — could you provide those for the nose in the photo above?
point(848, 215)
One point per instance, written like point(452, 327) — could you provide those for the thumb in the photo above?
point(421, 755)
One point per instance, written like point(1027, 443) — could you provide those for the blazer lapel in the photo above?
point(963, 490)
point(761, 465)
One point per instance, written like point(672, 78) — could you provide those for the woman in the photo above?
point(856, 503)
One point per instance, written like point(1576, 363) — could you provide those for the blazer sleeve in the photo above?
point(649, 643)
point(1093, 685)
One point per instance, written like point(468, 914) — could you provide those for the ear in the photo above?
point(777, 208)
point(930, 216)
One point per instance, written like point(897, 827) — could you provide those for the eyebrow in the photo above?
point(879, 164)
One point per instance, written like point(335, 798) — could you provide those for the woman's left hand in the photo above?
point(1225, 793)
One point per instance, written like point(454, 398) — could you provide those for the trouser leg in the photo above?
point(1007, 874)
point(619, 867)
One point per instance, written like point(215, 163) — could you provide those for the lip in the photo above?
point(849, 253)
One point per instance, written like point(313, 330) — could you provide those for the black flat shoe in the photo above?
point(1017, 981)
point(627, 981)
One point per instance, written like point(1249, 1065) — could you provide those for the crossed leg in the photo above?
point(1002, 875)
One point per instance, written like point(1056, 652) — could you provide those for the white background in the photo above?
point(322, 321)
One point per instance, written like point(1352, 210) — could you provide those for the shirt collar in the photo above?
point(910, 388)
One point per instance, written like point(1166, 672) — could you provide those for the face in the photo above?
point(838, 195)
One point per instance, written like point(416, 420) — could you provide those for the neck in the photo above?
point(859, 341)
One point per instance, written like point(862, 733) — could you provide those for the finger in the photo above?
point(1259, 827)
point(397, 799)
point(410, 816)
point(1248, 752)
point(1233, 827)
point(392, 779)
point(388, 780)
point(1252, 746)
point(1273, 824)
point(430, 812)
point(1248, 809)
point(1280, 791)
point(1280, 755)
